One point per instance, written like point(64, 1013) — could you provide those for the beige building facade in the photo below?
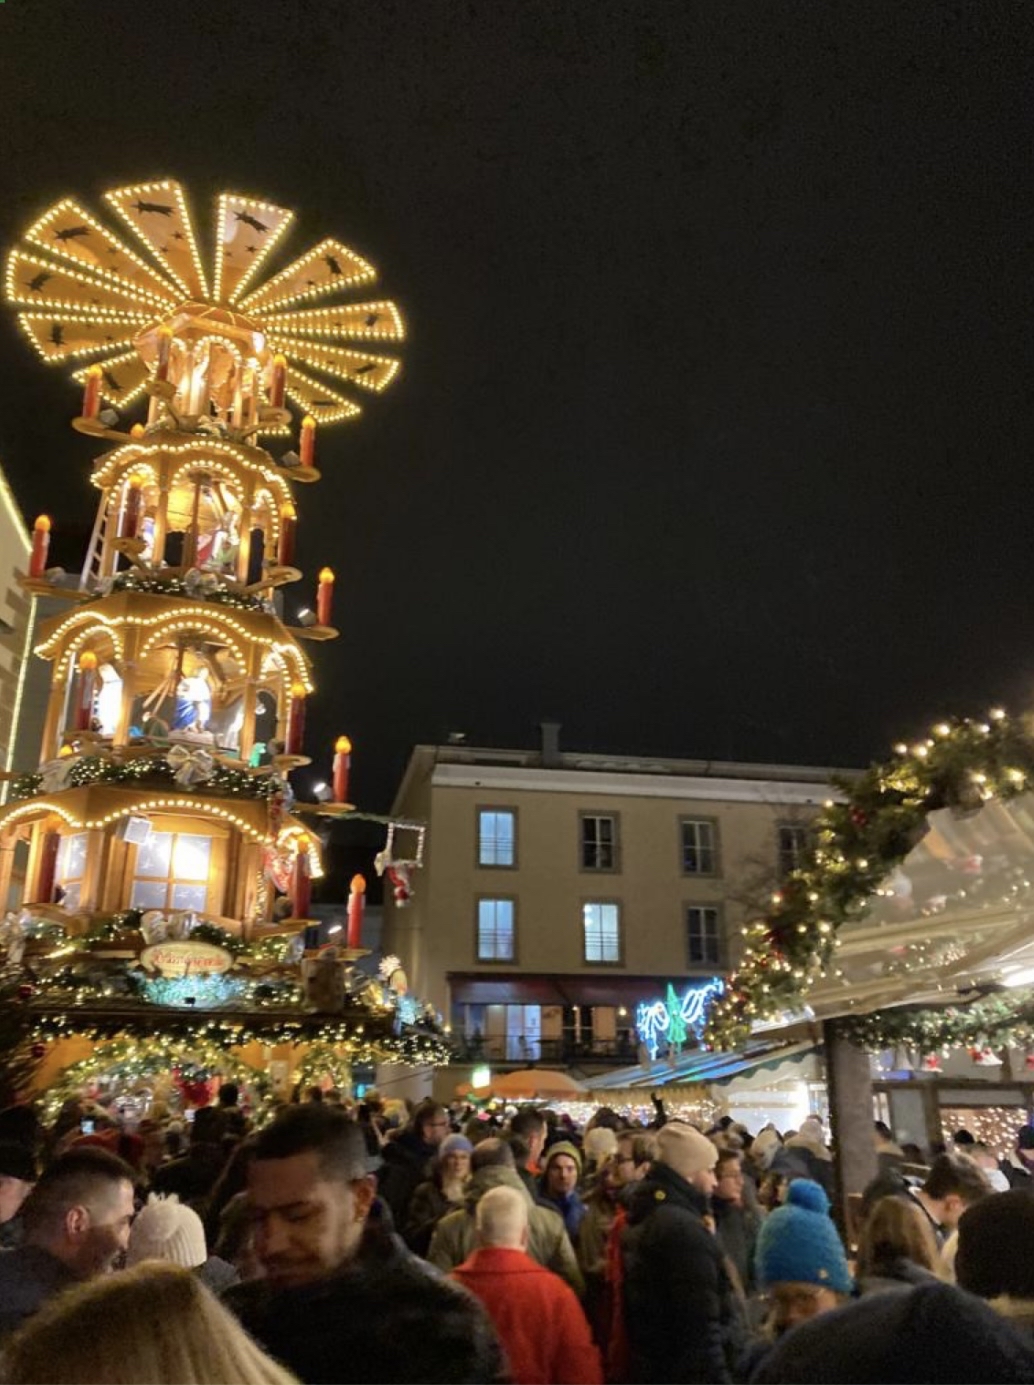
point(16, 626)
point(562, 891)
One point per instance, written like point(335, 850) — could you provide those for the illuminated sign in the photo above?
point(186, 959)
point(481, 1077)
point(669, 1021)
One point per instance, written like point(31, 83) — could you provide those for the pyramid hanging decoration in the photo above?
point(92, 298)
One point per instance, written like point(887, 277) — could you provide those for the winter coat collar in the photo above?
point(499, 1260)
point(665, 1187)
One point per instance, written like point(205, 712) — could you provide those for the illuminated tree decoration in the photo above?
point(131, 307)
point(669, 1020)
point(855, 844)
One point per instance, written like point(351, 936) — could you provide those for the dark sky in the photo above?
point(715, 427)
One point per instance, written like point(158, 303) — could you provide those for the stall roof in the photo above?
point(956, 917)
point(696, 1065)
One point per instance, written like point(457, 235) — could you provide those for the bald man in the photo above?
point(537, 1316)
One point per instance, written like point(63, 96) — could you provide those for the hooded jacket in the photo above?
point(680, 1307)
point(548, 1241)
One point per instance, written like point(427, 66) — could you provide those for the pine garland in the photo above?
point(857, 841)
point(151, 771)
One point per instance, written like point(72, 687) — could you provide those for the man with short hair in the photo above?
point(343, 1300)
point(492, 1166)
point(529, 1129)
point(953, 1183)
point(538, 1317)
point(76, 1223)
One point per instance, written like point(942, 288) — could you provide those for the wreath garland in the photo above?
point(856, 842)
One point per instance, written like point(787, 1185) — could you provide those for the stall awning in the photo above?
point(698, 1066)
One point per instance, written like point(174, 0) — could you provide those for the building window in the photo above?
point(495, 930)
point(699, 846)
point(703, 933)
point(497, 837)
point(70, 869)
point(172, 872)
point(602, 927)
point(599, 842)
point(793, 843)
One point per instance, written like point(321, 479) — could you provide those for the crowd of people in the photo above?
point(343, 1242)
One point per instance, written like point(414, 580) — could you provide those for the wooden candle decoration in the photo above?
point(342, 765)
point(301, 883)
point(47, 868)
point(278, 383)
point(307, 448)
point(131, 512)
point(161, 369)
point(87, 690)
point(296, 720)
point(92, 392)
point(288, 526)
point(40, 546)
point(356, 905)
point(324, 596)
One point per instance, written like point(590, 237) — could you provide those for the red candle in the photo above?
point(296, 720)
point(288, 525)
point(324, 596)
point(308, 440)
point(301, 884)
point(47, 868)
point(278, 382)
point(161, 369)
point(356, 905)
point(92, 392)
point(342, 764)
point(131, 512)
point(40, 546)
point(87, 689)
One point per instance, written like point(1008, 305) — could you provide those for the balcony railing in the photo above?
point(521, 1052)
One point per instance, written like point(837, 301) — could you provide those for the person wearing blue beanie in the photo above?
point(800, 1258)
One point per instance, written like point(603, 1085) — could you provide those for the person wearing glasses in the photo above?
point(407, 1159)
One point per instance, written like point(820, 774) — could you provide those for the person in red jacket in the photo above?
point(538, 1317)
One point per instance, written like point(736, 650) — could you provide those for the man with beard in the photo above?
point(343, 1299)
point(76, 1224)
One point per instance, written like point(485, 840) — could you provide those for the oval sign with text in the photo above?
point(186, 959)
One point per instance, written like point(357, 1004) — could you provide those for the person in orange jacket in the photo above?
point(538, 1317)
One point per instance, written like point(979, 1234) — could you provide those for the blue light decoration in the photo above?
point(198, 992)
point(652, 1016)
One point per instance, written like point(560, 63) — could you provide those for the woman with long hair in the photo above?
point(896, 1248)
point(155, 1323)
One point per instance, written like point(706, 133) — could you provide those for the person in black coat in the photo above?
point(679, 1304)
point(407, 1159)
point(931, 1335)
point(343, 1300)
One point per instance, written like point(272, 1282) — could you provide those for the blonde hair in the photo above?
point(896, 1229)
point(155, 1322)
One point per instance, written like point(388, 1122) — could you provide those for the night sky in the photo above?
point(714, 431)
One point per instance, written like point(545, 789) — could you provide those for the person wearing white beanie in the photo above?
point(167, 1229)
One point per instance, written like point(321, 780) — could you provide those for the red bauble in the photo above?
point(39, 1050)
point(858, 817)
point(26, 992)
